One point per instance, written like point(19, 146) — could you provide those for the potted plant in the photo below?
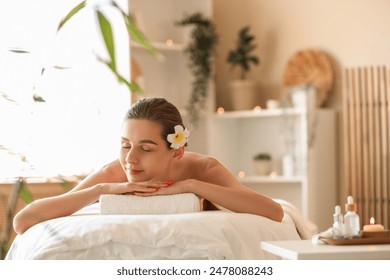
point(200, 48)
point(243, 90)
point(262, 164)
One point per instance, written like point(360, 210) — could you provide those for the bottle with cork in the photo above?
point(351, 219)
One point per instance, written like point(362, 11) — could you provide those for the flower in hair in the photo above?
point(179, 138)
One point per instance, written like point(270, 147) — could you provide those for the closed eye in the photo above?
point(145, 149)
point(126, 145)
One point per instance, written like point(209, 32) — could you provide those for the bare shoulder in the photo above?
point(199, 161)
point(209, 169)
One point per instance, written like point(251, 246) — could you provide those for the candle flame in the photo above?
point(220, 110)
point(372, 221)
point(169, 42)
point(257, 109)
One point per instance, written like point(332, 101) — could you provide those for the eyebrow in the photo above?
point(145, 141)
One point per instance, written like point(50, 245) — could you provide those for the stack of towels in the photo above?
point(113, 204)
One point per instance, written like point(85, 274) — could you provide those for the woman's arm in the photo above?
point(218, 185)
point(215, 183)
point(109, 180)
point(111, 172)
point(237, 199)
point(53, 207)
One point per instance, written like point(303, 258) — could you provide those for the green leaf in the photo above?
point(136, 34)
point(131, 86)
point(38, 98)
point(5, 96)
point(25, 194)
point(74, 11)
point(106, 31)
point(17, 50)
point(59, 67)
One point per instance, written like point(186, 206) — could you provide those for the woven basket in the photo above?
point(310, 67)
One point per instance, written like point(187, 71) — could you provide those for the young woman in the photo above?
point(152, 161)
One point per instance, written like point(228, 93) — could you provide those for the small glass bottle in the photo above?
point(338, 225)
point(351, 219)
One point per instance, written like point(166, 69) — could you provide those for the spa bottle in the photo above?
point(338, 226)
point(351, 219)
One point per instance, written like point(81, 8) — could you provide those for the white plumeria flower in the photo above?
point(179, 138)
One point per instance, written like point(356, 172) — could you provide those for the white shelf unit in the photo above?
point(235, 137)
point(170, 78)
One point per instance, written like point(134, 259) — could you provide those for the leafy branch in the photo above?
point(200, 49)
point(108, 38)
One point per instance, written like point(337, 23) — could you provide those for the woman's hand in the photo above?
point(168, 187)
point(139, 188)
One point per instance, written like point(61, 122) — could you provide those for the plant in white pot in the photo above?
point(243, 91)
point(263, 164)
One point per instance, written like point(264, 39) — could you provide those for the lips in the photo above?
point(133, 171)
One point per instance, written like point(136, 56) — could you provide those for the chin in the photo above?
point(137, 178)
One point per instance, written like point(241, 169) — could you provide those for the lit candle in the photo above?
point(241, 174)
point(257, 109)
point(169, 42)
point(372, 227)
point(220, 110)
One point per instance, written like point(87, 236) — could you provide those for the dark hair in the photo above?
point(158, 110)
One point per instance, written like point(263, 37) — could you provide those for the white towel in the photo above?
point(112, 204)
point(304, 227)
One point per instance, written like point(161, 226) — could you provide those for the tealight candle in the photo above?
point(372, 227)
point(169, 42)
point(220, 110)
point(375, 231)
point(241, 174)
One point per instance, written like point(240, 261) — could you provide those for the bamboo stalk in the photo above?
point(359, 197)
point(352, 186)
point(386, 207)
point(346, 134)
point(377, 132)
point(365, 147)
point(385, 143)
point(371, 197)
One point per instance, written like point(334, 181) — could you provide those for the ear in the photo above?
point(178, 153)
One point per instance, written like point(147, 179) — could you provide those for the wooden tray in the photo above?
point(355, 241)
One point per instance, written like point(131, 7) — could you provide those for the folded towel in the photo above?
point(112, 204)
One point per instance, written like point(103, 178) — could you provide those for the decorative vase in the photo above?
point(243, 94)
point(263, 167)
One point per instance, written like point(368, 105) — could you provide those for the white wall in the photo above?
point(350, 32)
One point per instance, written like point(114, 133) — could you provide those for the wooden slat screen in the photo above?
point(366, 129)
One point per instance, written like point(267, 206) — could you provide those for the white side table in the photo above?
point(306, 250)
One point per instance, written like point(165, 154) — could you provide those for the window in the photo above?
point(78, 128)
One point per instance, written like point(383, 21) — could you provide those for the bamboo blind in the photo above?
point(366, 132)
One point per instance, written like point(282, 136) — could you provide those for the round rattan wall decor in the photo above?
point(313, 67)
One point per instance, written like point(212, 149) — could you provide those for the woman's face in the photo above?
point(144, 155)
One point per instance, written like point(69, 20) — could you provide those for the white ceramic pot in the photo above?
point(263, 167)
point(243, 94)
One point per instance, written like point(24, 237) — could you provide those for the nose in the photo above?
point(131, 157)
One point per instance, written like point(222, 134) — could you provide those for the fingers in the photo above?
point(147, 187)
